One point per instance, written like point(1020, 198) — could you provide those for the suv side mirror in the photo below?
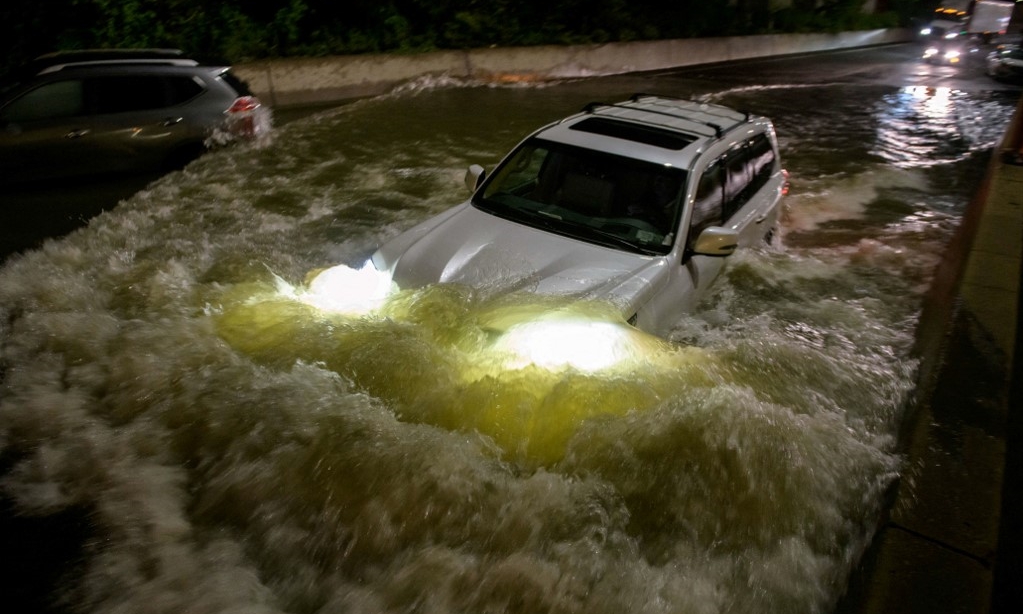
point(474, 177)
point(716, 241)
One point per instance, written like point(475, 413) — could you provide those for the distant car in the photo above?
point(947, 52)
point(88, 112)
point(1005, 62)
point(636, 202)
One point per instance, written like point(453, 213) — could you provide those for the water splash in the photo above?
point(237, 449)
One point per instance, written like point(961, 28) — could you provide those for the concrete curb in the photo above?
point(951, 542)
point(309, 81)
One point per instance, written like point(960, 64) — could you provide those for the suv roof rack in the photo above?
point(718, 128)
point(52, 62)
point(706, 107)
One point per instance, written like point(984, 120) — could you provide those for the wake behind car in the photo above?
point(89, 112)
point(635, 202)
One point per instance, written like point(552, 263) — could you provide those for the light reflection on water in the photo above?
point(235, 449)
point(931, 126)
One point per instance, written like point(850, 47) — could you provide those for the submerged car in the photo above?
point(635, 202)
point(1005, 62)
point(89, 112)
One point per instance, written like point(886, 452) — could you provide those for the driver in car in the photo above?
point(656, 205)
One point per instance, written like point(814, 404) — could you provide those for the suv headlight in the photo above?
point(342, 289)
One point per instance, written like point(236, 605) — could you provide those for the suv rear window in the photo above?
point(656, 137)
point(239, 86)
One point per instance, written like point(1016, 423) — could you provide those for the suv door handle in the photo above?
point(170, 121)
point(77, 133)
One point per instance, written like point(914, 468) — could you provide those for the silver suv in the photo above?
point(87, 112)
point(635, 202)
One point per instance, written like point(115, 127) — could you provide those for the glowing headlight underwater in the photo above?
point(580, 344)
point(552, 341)
point(348, 291)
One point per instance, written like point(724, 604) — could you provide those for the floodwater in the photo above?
point(226, 446)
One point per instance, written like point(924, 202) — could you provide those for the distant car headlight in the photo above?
point(952, 55)
point(925, 32)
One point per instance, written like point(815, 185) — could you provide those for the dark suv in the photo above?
point(87, 112)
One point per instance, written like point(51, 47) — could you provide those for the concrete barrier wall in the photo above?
point(294, 82)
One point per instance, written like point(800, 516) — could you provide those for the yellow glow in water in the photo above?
point(526, 371)
point(342, 289)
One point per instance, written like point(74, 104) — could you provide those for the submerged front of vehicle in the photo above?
point(499, 256)
point(558, 218)
point(630, 206)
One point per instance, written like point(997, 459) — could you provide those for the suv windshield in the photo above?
point(588, 195)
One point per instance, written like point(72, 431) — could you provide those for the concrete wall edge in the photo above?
point(308, 81)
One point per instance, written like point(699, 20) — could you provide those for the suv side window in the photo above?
point(708, 206)
point(182, 89)
point(748, 167)
point(730, 181)
point(50, 101)
point(122, 94)
point(761, 160)
point(737, 179)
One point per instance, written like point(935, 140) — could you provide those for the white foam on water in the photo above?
point(815, 201)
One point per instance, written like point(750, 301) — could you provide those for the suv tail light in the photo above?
point(244, 104)
point(241, 116)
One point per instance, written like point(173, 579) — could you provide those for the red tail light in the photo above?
point(244, 104)
point(242, 116)
point(785, 186)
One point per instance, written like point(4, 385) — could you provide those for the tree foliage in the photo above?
point(242, 30)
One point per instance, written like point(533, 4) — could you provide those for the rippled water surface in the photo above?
point(234, 449)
